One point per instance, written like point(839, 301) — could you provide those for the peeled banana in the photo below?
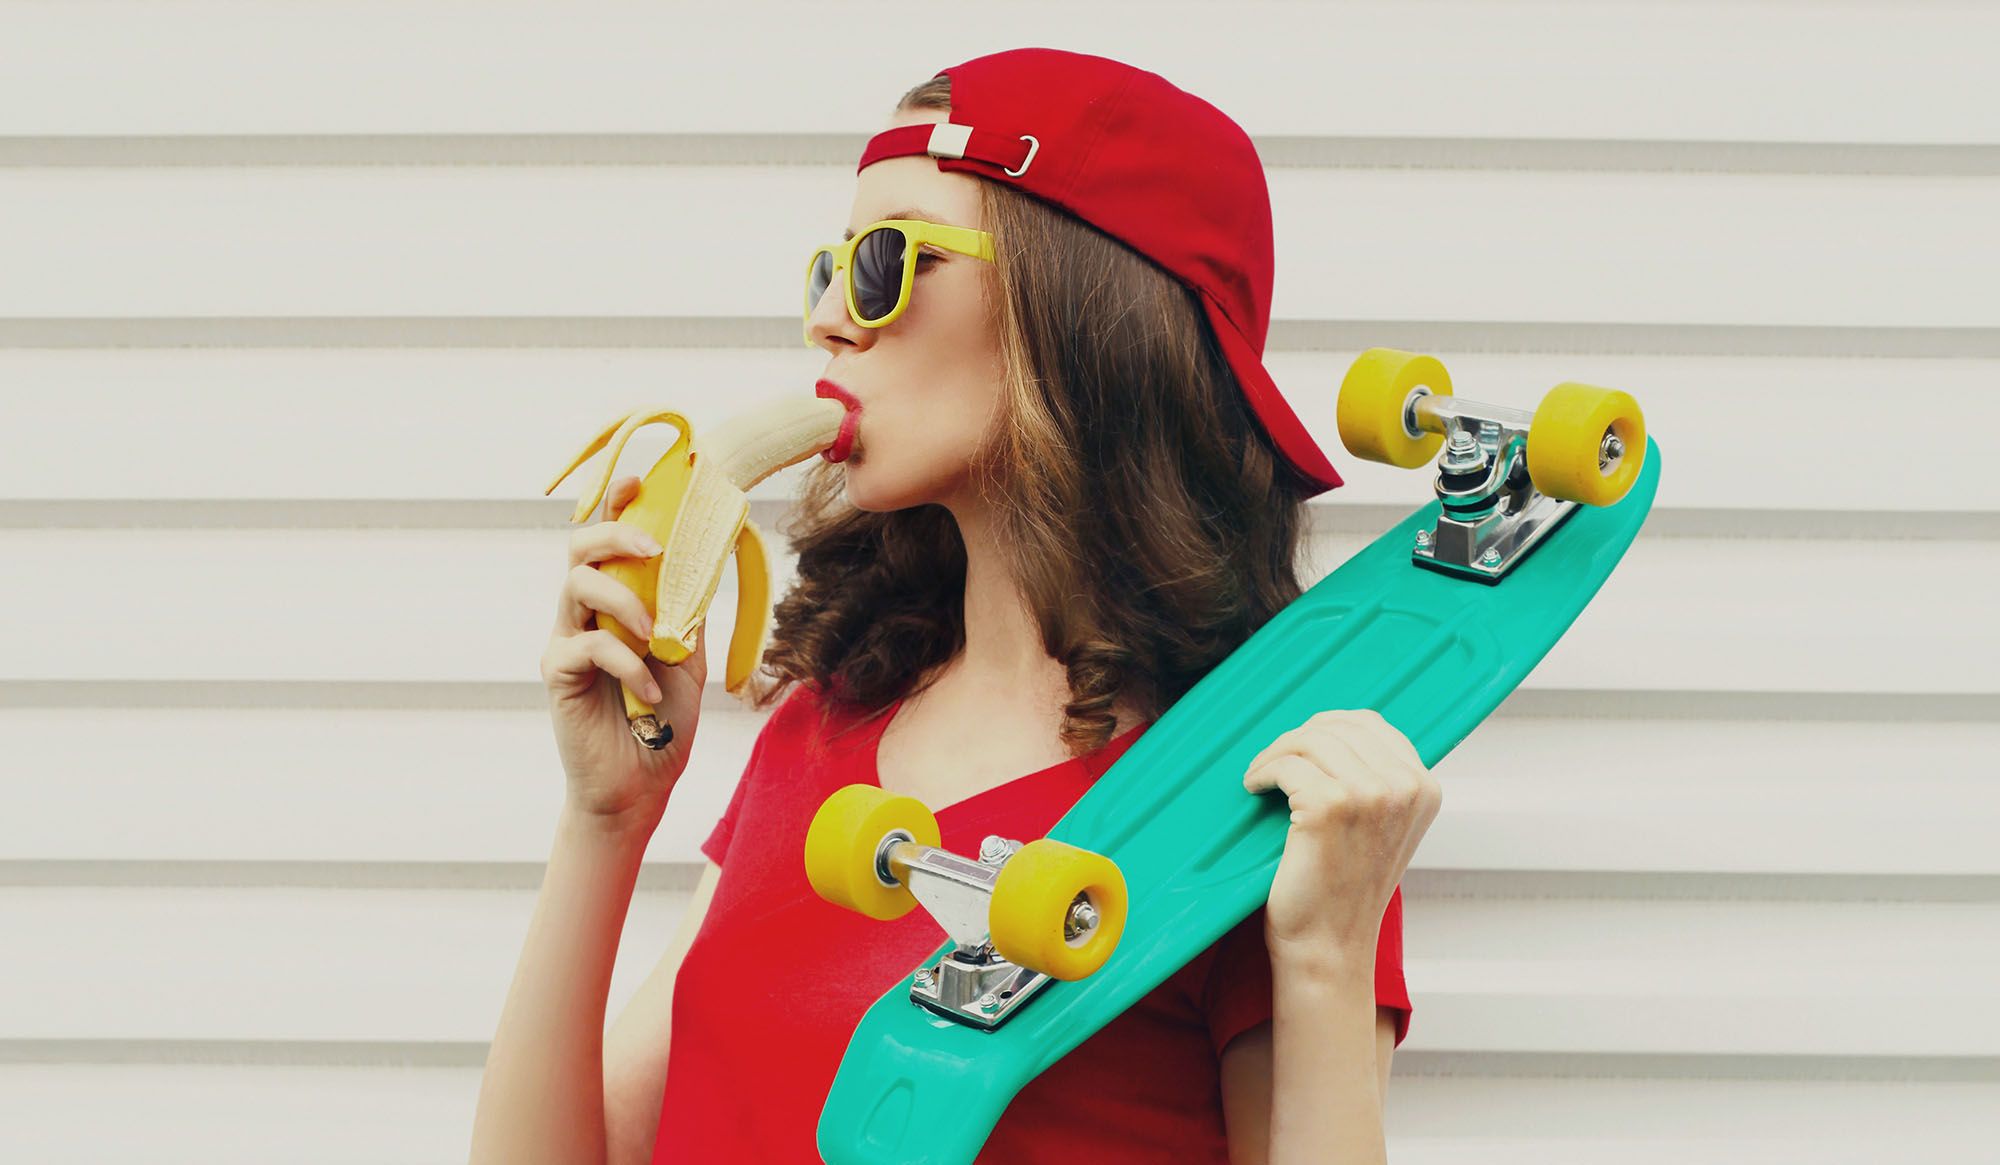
point(694, 502)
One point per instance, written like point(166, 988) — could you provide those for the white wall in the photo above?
point(301, 305)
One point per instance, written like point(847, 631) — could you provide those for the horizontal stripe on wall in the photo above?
point(1766, 71)
point(418, 1113)
point(146, 607)
point(1738, 978)
point(1575, 247)
point(1778, 441)
point(386, 798)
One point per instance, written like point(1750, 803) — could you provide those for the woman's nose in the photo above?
point(829, 325)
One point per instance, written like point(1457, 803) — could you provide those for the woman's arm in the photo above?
point(1360, 799)
point(640, 1041)
point(1326, 1082)
point(1248, 1070)
point(542, 1097)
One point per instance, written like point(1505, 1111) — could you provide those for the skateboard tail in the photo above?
point(892, 1102)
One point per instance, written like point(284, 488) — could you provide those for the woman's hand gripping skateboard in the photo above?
point(1361, 801)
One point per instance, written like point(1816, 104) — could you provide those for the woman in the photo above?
point(1073, 491)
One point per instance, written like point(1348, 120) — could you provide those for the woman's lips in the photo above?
point(844, 443)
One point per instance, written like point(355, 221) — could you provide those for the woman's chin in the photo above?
point(858, 485)
point(866, 491)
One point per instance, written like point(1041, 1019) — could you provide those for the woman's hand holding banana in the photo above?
point(611, 775)
point(695, 502)
point(628, 650)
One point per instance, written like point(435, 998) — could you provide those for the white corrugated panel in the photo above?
point(1414, 246)
point(308, 303)
point(456, 437)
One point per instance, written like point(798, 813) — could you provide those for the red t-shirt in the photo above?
point(777, 979)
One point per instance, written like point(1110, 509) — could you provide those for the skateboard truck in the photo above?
point(1018, 916)
point(1492, 513)
point(1505, 478)
point(972, 984)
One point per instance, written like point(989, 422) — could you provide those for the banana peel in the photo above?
point(694, 502)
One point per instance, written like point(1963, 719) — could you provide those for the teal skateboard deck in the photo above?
point(1433, 653)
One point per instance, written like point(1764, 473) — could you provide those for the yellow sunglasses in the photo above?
point(881, 266)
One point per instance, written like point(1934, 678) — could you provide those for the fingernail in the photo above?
point(650, 547)
point(653, 693)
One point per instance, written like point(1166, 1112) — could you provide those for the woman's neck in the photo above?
point(1004, 658)
point(1001, 641)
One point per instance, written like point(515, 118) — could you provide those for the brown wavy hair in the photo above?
point(1148, 519)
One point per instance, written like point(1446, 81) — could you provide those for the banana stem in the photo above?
point(645, 722)
point(640, 716)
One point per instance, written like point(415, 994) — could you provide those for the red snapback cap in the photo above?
point(1147, 163)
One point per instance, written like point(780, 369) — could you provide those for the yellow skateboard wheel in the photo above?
point(1566, 441)
point(841, 844)
point(1371, 405)
point(1031, 905)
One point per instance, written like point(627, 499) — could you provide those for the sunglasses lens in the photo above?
point(878, 272)
point(817, 279)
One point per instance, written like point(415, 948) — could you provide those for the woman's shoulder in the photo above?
point(802, 704)
point(811, 712)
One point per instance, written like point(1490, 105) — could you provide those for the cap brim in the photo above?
point(1291, 437)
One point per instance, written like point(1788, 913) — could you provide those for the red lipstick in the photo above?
point(844, 443)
